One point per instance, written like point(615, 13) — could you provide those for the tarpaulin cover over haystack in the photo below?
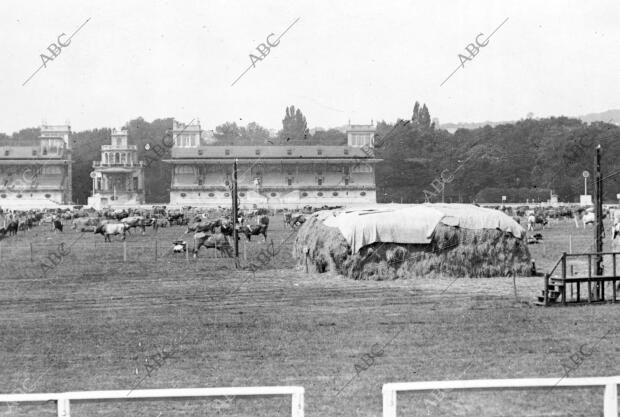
point(391, 241)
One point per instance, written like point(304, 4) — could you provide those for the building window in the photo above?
point(346, 151)
point(211, 195)
point(200, 152)
point(363, 193)
point(319, 181)
point(289, 181)
point(3, 195)
point(226, 152)
point(226, 194)
point(346, 181)
point(6, 152)
point(18, 196)
point(34, 152)
point(320, 194)
point(304, 194)
point(289, 152)
point(273, 194)
point(199, 182)
point(319, 151)
point(183, 194)
point(257, 152)
point(242, 194)
point(335, 193)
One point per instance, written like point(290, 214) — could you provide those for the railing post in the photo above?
point(546, 290)
point(389, 402)
point(610, 400)
point(589, 278)
point(63, 407)
point(564, 278)
point(297, 404)
point(124, 251)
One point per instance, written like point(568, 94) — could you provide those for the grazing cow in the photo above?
point(110, 229)
point(84, 222)
point(217, 241)
point(135, 221)
point(297, 220)
point(204, 226)
point(179, 246)
point(588, 218)
point(57, 225)
point(533, 220)
point(256, 229)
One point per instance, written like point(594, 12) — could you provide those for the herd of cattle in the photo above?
point(212, 228)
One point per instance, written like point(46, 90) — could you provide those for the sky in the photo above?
point(339, 61)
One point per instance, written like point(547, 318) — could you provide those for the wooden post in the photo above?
point(187, 251)
point(589, 278)
point(570, 243)
point(598, 230)
point(245, 253)
point(124, 251)
point(564, 278)
point(235, 207)
point(31, 253)
point(613, 282)
point(155, 250)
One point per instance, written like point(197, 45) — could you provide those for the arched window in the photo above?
point(106, 158)
point(117, 158)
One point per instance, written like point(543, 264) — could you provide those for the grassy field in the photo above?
point(91, 322)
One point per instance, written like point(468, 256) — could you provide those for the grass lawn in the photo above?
point(90, 323)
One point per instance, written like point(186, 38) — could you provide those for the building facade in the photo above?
point(118, 178)
point(37, 175)
point(271, 176)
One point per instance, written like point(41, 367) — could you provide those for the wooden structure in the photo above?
point(610, 396)
point(556, 288)
point(63, 399)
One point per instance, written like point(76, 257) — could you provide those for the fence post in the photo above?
point(297, 404)
point(546, 289)
point(155, 250)
point(610, 400)
point(64, 409)
point(564, 278)
point(389, 402)
point(124, 251)
point(31, 255)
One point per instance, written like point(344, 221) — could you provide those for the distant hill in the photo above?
point(609, 116)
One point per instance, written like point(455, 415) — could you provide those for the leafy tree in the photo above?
point(424, 117)
point(294, 126)
point(328, 137)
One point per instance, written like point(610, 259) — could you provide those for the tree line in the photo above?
point(527, 159)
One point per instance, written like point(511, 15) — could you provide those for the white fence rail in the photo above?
point(63, 399)
point(610, 399)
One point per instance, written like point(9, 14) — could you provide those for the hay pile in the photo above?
point(453, 252)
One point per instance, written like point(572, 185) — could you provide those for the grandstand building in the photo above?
point(37, 174)
point(273, 176)
point(118, 178)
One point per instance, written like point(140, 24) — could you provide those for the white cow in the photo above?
point(588, 218)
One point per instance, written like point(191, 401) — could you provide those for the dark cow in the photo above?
point(112, 229)
point(57, 225)
point(135, 221)
point(296, 220)
point(12, 227)
point(204, 226)
point(256, 229)
point(217, 241)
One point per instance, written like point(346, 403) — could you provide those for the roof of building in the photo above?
point(266, 152)
point(26, 152)
point(361, 128)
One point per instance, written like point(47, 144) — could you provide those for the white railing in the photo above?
point(63, 399)
point(610, 399)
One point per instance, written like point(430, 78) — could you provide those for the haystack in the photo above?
point(470, 244)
